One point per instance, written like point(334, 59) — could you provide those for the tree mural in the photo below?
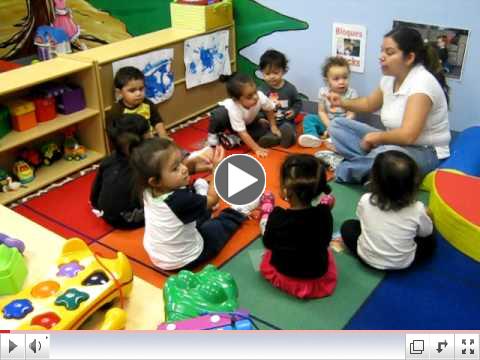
point(39, 12)
point(254, 21)
point(20, 18)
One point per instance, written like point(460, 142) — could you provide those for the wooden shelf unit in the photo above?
point(185, 103)
point(89, 121)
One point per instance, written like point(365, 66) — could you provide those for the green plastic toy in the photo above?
point(13, 270)
point(188, 295)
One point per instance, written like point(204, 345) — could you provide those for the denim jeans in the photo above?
point(346, 136)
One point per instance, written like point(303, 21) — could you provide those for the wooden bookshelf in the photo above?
point(89, 121)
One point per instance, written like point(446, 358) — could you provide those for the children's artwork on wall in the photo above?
point(450, 44)
point(206, 58)
point(157, 68)
point(348, 41)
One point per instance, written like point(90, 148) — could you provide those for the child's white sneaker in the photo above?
point(201, 186)
point(247, 208)
point(307, 140)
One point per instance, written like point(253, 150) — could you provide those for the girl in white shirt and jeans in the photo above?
point(413, 103)
point(394, 229)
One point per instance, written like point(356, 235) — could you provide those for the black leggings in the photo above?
point(351, 230)
point(215, 233)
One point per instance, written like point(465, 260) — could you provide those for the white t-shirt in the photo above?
point(418, 81)
point(171, 238)
point(241, 117)
point(387, 238)
point(337, 111)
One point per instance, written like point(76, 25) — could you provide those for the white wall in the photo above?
point(307, 49)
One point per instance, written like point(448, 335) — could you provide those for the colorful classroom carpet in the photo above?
point(443, 293)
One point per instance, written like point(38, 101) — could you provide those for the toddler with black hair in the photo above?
point(274, 66)
point(297, 258)
point(394, 230)
point(112, 195)
point(240, 115)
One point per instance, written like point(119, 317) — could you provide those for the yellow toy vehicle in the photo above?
point(77, 286)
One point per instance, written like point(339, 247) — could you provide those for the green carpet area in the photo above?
point(355, 281)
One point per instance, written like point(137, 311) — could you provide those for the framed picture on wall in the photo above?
point(348, 41)
point(450, 43)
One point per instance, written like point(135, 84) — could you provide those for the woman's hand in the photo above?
point(334, 99)
point(370, 141)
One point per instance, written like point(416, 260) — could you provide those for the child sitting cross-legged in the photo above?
point(179, 229)
point(297, 258)
point(112, 195)
point(394, 230)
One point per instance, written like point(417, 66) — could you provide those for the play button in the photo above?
point(239, 179)
point(11, 346)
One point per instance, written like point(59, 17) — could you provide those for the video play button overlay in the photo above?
point(239, 179)
point(11, 346)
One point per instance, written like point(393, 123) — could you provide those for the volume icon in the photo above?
point(35, 346)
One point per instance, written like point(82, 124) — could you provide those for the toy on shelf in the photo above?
point(50, 152)
point(188, 295)
point(51, 41)
point(13, 270)
point(7, 183)
point(10, 185)
point(239, 320)
point(23, 172)
point(31, 156)
point(5, 126)
point(45, 108)
point(77, 286)
point(69, 98)
point(11, 242)
point(71, 148)
point(23, 114)
point(8, 65)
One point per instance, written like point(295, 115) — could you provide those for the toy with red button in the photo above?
point(76, 287)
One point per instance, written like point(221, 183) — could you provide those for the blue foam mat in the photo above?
point(441, 294)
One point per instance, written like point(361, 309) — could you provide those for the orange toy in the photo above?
point(23, 114)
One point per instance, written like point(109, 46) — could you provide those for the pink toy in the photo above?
point(64, 20)
point(239, 320)
point(328, 200)
point(267, 203)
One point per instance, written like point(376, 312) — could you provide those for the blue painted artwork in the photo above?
point(206, 58)
point(158, 80)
